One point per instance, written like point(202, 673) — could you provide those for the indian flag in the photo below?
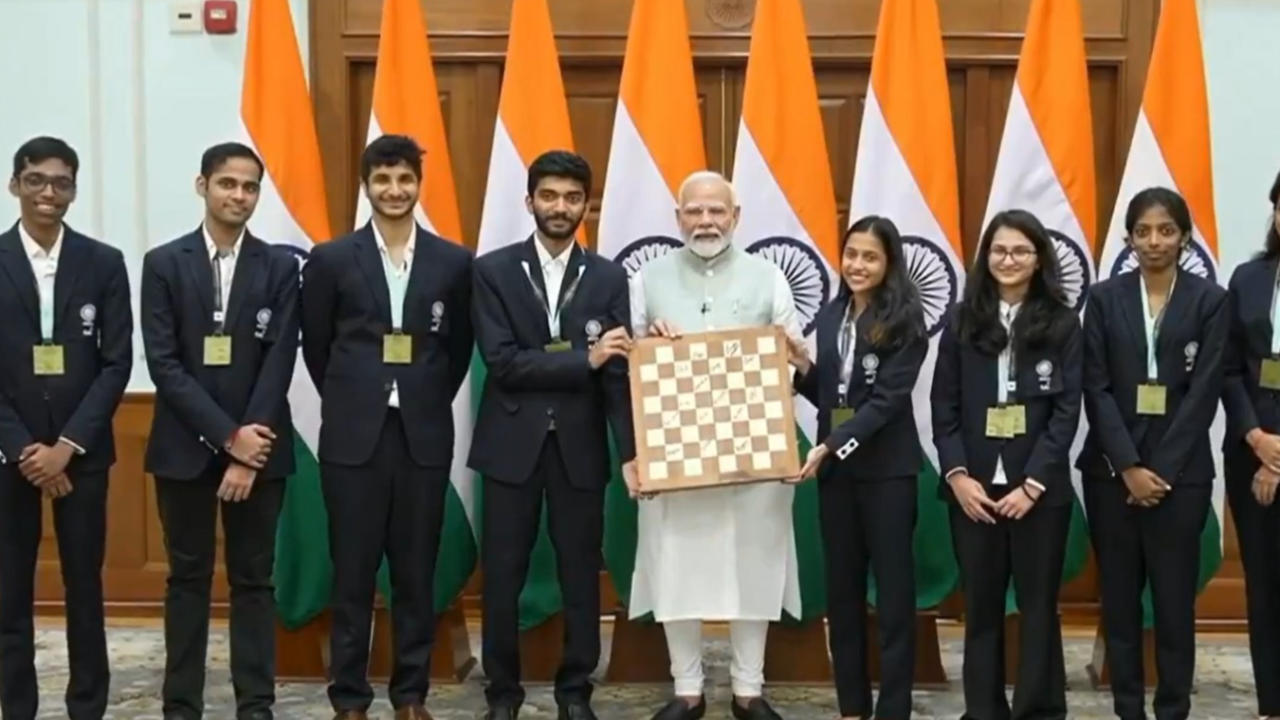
point(1171, 148)
point(657, 143)
point(406, 102)
point(275, 115)
point(533, 117)
point(1045, 166)
point(783, 177)
point(906, 170)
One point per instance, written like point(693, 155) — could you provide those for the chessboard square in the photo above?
point(728, 463)
point(736, 380)
point(664, 354)
point(716, 365)
point(684, 385)
point(652, 405)
point(700, 368)
point(648, 373)
point(701, 383)
point(759, 428)
point(667, 370)
point(683, 369)
point(720, 400)
point(671, 435)
point(741, 430)
point(698, 351)
point(777, 442)
point(671, 419)
point(657, 470)
point(656, 437)
point(773, 410)
point(760, 460)
point(707, 449)
point(689, 434)
point(725, 446)
point(693, 467)
point(670, 403)
point(738, 399)
point(674, 453)
point(760, 443)
point(692, 450)
point(755, 394)
point(724, 431)
point(719, 381)
point(731, 348)
point(769, 377)
point(755, 410)
point(688, 418)
point(766, 345)
point(733, 364)
point(667, 386)
point(751, 362)
point(705, 416)
point(686, 401)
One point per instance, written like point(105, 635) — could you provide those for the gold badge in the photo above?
point(1269, 376)
point(397, 349)
point(47, 360)
point(998, 423)
point(1151, 399)
point(1016, 417)
point(840, 416)
point(558, 346)
point(217, 350)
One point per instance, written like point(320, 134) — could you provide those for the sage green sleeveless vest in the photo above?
point(732, 290)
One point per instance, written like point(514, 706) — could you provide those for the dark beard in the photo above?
point(543, 227)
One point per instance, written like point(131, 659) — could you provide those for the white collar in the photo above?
point(544, 256)
point(382, 244)
point(1010, 310)
point(212, 248)
point(34, 250)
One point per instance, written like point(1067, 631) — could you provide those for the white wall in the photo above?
point(137, 103)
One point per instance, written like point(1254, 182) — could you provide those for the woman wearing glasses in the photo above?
point(1251, 450)
point(1006, 404)
point(871, 343)
point(1153, 348)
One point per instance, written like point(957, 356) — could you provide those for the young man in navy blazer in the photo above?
point(387, 339)
point(220, 327)
point(551, 320)
point(67, 336)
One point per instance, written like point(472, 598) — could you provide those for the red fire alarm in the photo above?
point(220, 17)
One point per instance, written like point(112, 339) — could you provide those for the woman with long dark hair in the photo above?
point(870, 345)
point(1006, 404)
point(1251, 450)
point(1154, 341)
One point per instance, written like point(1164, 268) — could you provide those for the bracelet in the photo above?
point(1028, 493)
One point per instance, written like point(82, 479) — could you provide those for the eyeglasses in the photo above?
point(1019, 254)
point(35, 182)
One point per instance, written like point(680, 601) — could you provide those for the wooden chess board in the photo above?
point(713, 408)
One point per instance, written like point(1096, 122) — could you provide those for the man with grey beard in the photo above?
point(720, 554)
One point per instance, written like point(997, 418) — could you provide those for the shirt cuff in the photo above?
point(1036, 484)
point(847, 449)
point(955, 471)
point(70, 443)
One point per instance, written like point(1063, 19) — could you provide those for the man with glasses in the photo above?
point(67, 338)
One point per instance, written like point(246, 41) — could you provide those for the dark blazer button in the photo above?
point(386, 387)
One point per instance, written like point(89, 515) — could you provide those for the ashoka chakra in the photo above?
point(934, 277)
point(805, 271)
point(1073, 269)
point(634, 256)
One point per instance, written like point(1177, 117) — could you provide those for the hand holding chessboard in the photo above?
point(712, 409)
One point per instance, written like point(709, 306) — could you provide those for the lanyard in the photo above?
point(219, 313)
point(1275, 320)
point(845, 343)
point(1006, 375)
point(553, 316)
point(1152, 325)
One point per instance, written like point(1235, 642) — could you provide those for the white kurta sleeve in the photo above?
point(639, 317)
point(784, 307)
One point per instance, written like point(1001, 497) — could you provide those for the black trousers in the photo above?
point(1134, 545)
point(1258, 530)
point(870, 522)
point(1030, 552)
point(388, 506)
point(575, 520)
point(80, 520)
point(188, 512)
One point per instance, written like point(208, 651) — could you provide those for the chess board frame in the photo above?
point(784, 462)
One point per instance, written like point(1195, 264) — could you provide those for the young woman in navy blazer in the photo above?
point(1154, 341)
point(1251, 450)
point(870, 344)
point(1006, 405)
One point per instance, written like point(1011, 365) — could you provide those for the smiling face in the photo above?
point(707, 216)
point(231, 191)
point(45, 190)
point(558, 205)
point(1012, 258)
point(864, 262)
point(1156, 239)
point(392, 190)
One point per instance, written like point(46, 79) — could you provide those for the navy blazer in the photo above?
point(1048, 386)
point(346, 311)
point(199, 407)
point(1189, 352)
point(93, 321)
point(881, 440)
point(527, 387)
point(1248, 405)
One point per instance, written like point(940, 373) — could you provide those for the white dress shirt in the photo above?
point(399, 273)
point(44, 265)
point(226, 266)
point(553, 270)
point(1003, 376)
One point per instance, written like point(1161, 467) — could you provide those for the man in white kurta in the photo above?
point(721, 553)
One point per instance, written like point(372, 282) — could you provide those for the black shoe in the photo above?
point(577, 711)
point(756, 709)
point(678, 709)
point(502, 712)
